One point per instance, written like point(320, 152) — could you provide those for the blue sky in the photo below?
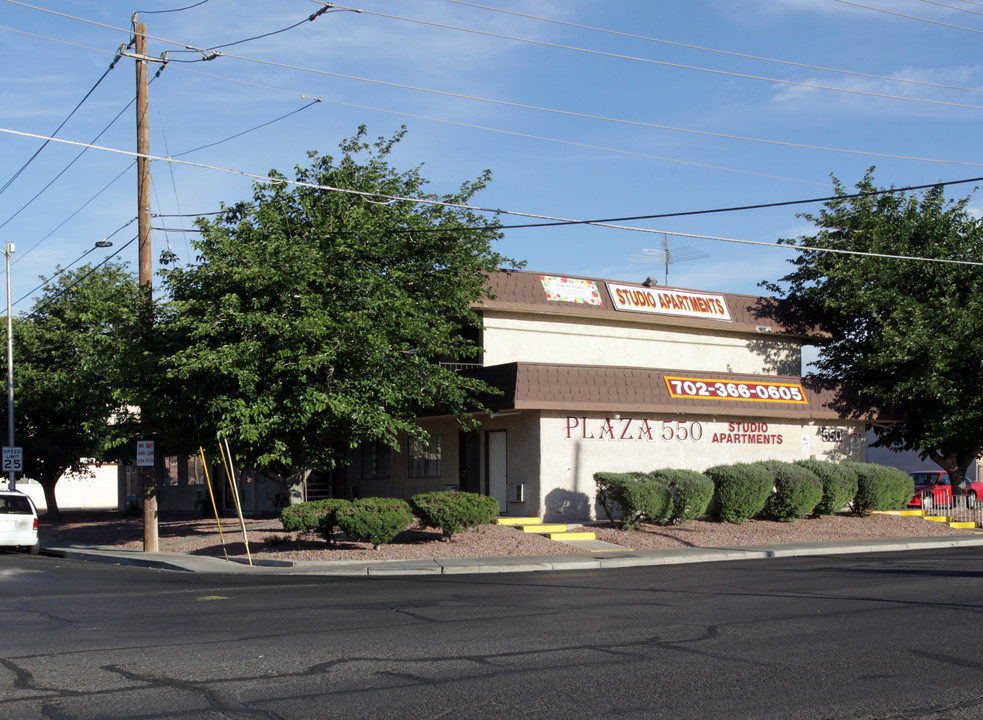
point(581, 110)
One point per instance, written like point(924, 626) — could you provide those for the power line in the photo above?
point(664, 63)
point(312, 18)
point(211, 55)
point(62, 270)
point(515, 133)
point(62, 172)
point(953, 7)
point(300, 183)
point(58, 40)
point(77, 211)
point(730, 53)
point(184, 215)
point(244, 132)
point(63, 122)
point(588, 116)
point(181, 9)
point(909, 17)
point(563, 112)
point(77, 280)
point(739, 208)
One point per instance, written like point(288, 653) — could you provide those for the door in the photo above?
point(497, 461)
point(469, 461)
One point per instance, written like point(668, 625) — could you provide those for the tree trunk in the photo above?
point(291, 483)
point(49, 497)
point(956, 465)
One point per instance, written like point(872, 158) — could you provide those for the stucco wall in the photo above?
point(574, 448)
point(511, 338)
point(522, 462)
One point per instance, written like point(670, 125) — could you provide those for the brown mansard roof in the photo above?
point(522, 291)
point(592, 388)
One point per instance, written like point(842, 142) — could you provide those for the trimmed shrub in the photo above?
point(691, 492)
point(635, 497)
point(314, 515)
point(839, 485)
point(612, 488)
point(741, 491)
point(880, 487)
point(797, 491)
point(452, 512)
point(375, 520)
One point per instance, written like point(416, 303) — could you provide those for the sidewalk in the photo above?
point(598, 560)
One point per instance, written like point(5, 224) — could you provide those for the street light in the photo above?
point(10, 368)
point(15, 461)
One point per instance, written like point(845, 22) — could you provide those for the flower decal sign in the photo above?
point(561, 289)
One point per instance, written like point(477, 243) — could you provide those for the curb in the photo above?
point(520, 564)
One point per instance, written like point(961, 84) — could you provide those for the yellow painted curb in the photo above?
point(962, 525)
point(544, 528)
point(572, 536)
point(938, 518)
point(517, 520)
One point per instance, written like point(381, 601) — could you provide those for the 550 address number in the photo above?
point(682, 387)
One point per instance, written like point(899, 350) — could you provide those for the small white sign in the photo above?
point(13, 459)
point(805, 442)
point(145, 453)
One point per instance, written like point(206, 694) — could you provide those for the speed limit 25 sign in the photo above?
point(13, 459)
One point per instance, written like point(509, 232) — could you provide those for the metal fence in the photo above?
point(956, 508)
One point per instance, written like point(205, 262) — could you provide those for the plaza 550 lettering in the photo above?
point(634, 429)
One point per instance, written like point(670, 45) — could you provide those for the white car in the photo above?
point(18, 522)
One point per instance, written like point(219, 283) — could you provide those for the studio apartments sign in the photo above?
point(668, 301)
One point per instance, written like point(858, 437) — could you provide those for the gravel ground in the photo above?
point(267, 539)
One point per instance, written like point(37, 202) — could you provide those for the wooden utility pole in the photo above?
point(150, 534)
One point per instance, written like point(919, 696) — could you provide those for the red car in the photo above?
point(933, 488)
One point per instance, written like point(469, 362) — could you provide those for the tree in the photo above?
point(316, 316)
point(905, 335)
point(72, 352)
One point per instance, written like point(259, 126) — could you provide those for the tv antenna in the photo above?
point(667, 256)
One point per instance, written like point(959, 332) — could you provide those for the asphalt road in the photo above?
point(861, 636)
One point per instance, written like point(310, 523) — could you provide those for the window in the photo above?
point(375, 460)
point(171, 475)
point(424, 457)
point(196, 471)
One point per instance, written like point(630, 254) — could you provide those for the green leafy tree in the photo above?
point(905, 335)
point(73, 360)
point(315, 317)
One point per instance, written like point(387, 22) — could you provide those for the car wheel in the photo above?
point(928, 502)
point(35, 548)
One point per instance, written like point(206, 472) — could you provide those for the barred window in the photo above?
point(424, 457)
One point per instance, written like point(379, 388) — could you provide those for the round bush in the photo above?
point(797, 491)
point(839, 485)
point(634, 497)
point(452, 512)
point(880, 487)
point(691, 492)
point(314, 515)
point(375, 520)
point(741, 491)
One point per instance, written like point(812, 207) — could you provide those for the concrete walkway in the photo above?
point(458, 566)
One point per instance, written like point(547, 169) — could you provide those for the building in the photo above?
point(607, 376)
